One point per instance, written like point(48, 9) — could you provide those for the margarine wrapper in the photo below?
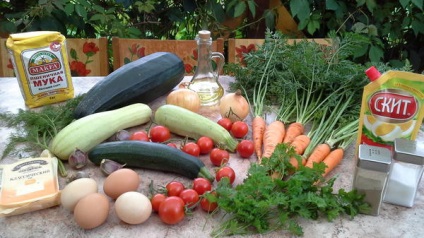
point(41, 65)
point(28, 185)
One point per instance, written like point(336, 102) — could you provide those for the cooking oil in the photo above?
point(208, 90)
point(205, 79)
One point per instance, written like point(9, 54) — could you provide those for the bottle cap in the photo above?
point(372, 73)
point(409, 151)
point(374, 158)
point(204, 34)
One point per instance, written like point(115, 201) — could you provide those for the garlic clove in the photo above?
point(78, 159)
point(108, 166)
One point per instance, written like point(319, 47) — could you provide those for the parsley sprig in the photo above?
point(262, 204)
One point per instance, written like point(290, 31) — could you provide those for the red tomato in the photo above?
point(205, 144)
point(209, 205)
point(191, 148)
point(225, 172)
point(172, 145)
point(171, 210)
point(139, 135)
point(239, 129)
point(174, 188)
point(226, 123)
point(245, 148)
point(219, 157)
point(202, 185)
point(190, 197)
point(156, 200)
point(159, 134)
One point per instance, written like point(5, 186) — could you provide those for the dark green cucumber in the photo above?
point(140, 81)
point(149, 155)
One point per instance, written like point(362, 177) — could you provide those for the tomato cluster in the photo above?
point(173, 204)
point(156, 133)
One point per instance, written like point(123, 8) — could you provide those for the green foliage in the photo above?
point(394, 29)
point(262, 203)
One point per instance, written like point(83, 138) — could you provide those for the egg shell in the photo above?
point(92, 210)
point(76, 190)
point(121, 181)
point(133, 207)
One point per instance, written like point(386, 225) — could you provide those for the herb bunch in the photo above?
point(295, 67)
point(33, 129)
point(262, 203)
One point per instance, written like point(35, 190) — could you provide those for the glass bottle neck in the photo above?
point(204, 61)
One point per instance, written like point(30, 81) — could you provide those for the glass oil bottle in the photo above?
point(205, 79)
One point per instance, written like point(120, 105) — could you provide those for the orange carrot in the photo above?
point(293, 130)
point(294, 162)
point(273, 135)
point(300, 143)
point(258, 128)
point(333, 159)
point(318, 154)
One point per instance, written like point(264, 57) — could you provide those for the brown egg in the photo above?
point(91, 211)
point(121, 181)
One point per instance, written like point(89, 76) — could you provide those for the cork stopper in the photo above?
point(204, 34)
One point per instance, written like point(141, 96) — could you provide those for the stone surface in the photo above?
point(393, 221)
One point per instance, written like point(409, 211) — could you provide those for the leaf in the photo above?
point(418, 3)
point(372, 30)
point(418, 26)
point(269, 16)
point(97, 17)
point(376, 53)
point(73, 54)
point(371, 5)
point(404, 3)
point(252, 7)
point(70, 8)
point(239, 9)
point(81, 11)
point(331, 5)
point(300, 8)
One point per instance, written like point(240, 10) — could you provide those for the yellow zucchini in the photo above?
point(187, 123)
point(91, 130)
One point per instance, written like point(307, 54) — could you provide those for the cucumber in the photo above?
point(140, 81)
point(149, 155)
point(190, 124)
point(89, 131)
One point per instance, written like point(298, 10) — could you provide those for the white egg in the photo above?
point(133, 207)
point(76, 190)
point(389, 133)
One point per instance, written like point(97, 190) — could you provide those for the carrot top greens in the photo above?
point(263, 204)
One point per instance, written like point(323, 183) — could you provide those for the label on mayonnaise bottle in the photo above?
point(392, 107)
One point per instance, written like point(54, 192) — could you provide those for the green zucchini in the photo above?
point(149, 155)
point(89, 131)
point(190, 124)
point(140, 81)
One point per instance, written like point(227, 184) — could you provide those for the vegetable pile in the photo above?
point(314, 91)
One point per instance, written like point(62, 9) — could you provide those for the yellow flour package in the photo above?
point(392, 107)
point(28, 185)
point(40, 61)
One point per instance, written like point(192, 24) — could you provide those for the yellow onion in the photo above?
point(234, 106)
point(185, 98)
